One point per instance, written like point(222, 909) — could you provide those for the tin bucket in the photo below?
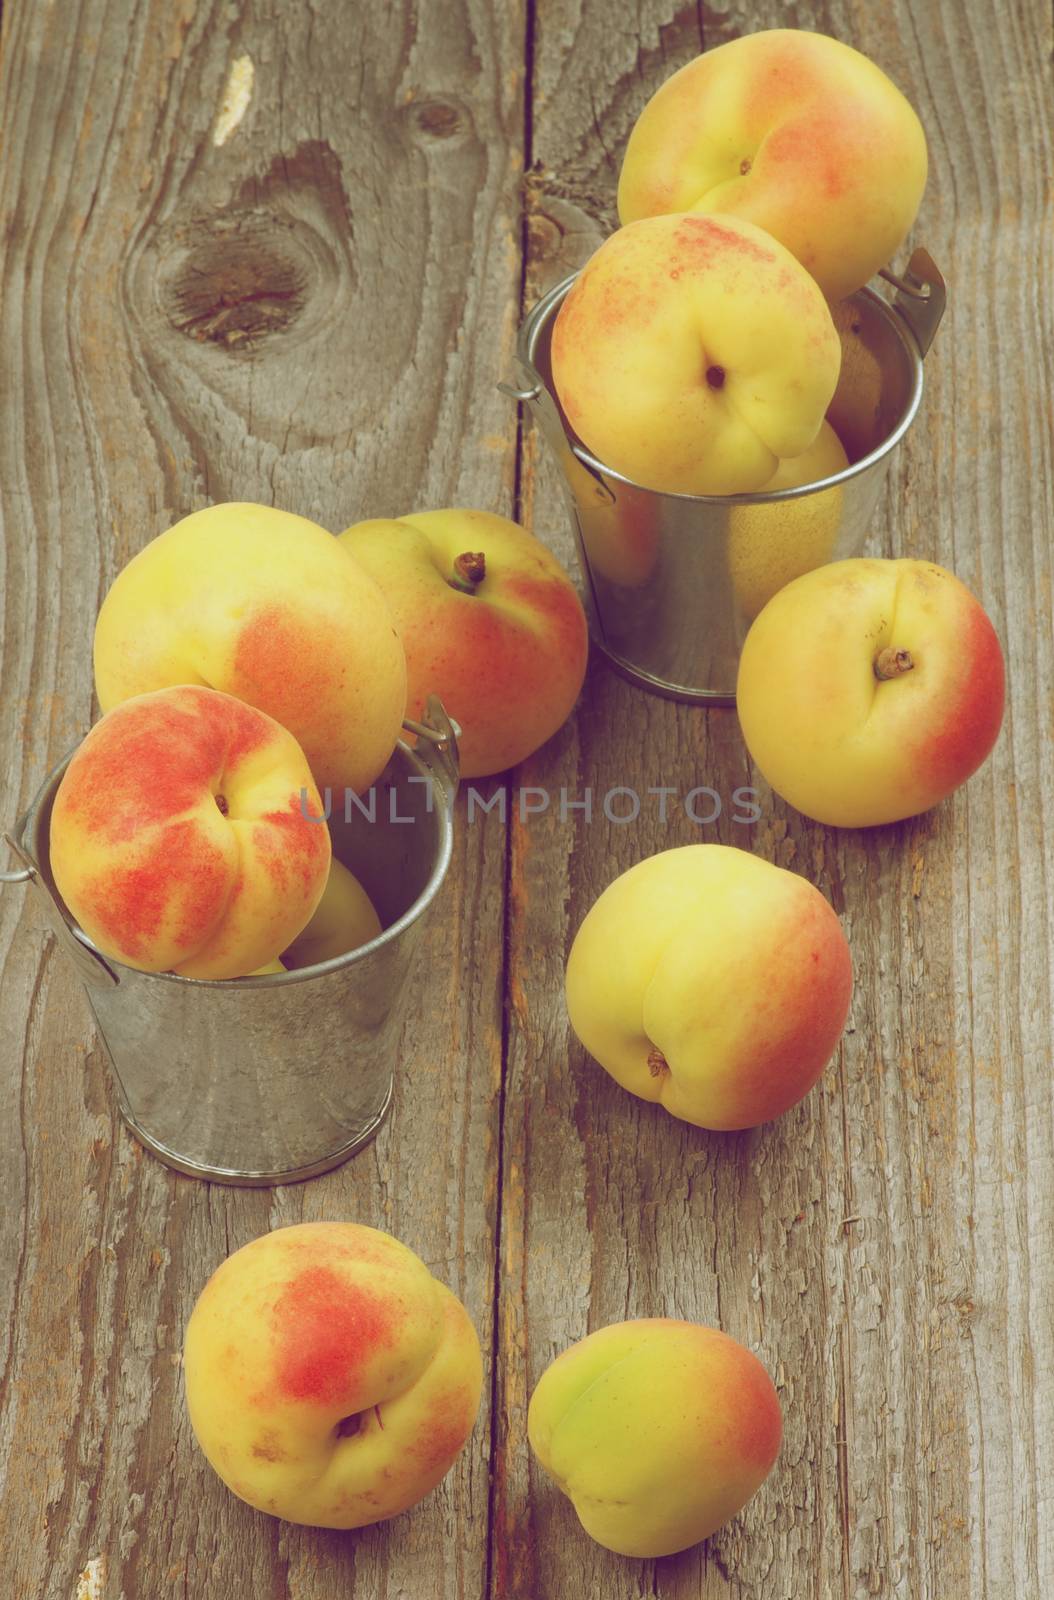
point(271, 1079)
point(673, 581)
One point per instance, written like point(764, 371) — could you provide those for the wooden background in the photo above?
point(314, 312)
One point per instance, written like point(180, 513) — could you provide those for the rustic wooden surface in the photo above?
point(313, 312)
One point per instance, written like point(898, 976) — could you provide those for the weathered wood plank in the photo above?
point(877, 1247)
point(913, 1347)
point(312, 312)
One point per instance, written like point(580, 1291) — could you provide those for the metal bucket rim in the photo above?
point(440, 807)
point(538, 316)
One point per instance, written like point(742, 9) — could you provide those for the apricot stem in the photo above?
point(892, 663)
point(657, 1063)
point(715, 377)
point(470, 569)
point(221, 801)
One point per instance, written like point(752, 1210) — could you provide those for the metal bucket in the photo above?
point(272, 1079)
point(673, 581)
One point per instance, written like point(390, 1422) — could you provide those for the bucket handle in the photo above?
point(437, 748)
point(91, 966)
point(437, 736)
point(919, 301)
point(920, 298)
point(20, 875)
point(543, 406)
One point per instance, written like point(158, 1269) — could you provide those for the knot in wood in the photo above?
point(236, 287)
point(439, 118)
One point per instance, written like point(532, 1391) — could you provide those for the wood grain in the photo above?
point(312, 313)
point(877, 1246)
